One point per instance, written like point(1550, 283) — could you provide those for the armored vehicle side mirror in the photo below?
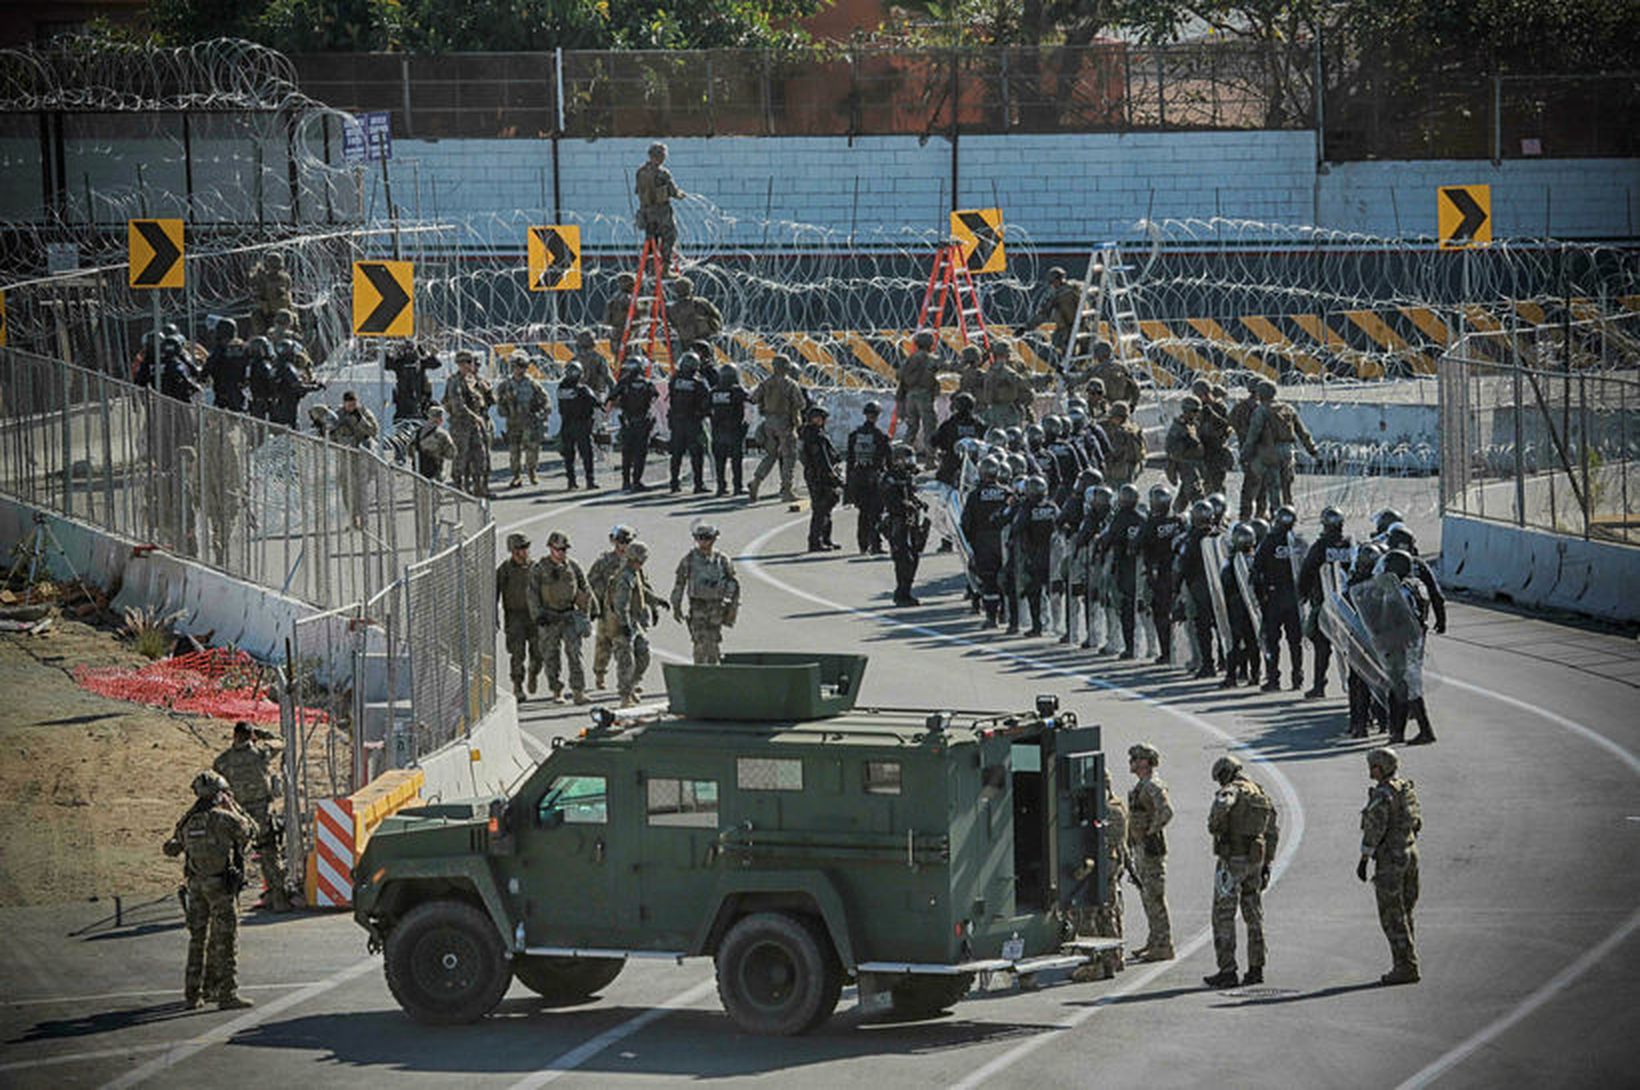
point(550, 819)
point(1046, 705)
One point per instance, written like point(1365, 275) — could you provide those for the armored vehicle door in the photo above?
point(1079, 815)
point(568, 856)
point(677, 847)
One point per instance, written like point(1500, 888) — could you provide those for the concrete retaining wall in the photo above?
point(1540, 569)
point(486, 763)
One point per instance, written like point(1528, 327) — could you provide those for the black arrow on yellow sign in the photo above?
point(1473, 214)
point(555, 257)
point(986, 239)
point(165, 251)
point(393, 299)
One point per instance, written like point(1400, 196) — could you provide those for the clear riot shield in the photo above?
point(1243, 565)
point(1351, 641)
point(1213, 558)
point(1396, 633)
point(1298, 548)
point(945, 508)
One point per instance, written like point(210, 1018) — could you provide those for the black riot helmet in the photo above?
point(1398, 563)
point(1127, 497)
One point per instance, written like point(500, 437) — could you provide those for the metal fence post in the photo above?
point(466, 638)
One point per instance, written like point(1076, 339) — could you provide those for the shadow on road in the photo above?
point(104, 1022)
point(524, 1036)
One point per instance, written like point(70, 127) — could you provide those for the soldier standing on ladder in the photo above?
point(656, 192)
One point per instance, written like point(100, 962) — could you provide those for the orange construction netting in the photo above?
point(220, 682)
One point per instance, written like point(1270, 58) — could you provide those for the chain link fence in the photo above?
point(1540, 427)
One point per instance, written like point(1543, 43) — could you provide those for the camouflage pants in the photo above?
point(558, 632)
point(1236, 882)
point(523, 446)
point(631, 652)
point(522, 637)
point(213, 940)
point(779, 446)
point(267, 849)
point(1396, 885)
point(1153, 895)
point(1253, 501)
point(706, 629)
point(471, 470)
point(603, 642)
point(920, 421)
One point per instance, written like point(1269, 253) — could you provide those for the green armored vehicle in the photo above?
point(766, 822)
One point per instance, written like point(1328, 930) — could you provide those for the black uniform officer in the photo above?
point(1191, 576)
point(1156, 543)
point(819, 460)
point(728, 427)
point(907, 529)
point(1273, 576)
point(961, 424)
point(1332, 547)
point(577, 409)
point(979, 511)
point(634, 395)
point(867, 459)
point(688, 405)
point(1032, 534)
point(1121, 538)
point(229, 368)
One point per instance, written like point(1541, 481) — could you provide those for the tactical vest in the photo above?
point(708, 576)
point(1281, 423)
point(1250, 819)
point(246, 770)
point(208, 849)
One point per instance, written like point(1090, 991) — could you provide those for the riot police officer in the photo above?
point(1333, 546)
point(819, 460)
point(867, 458)
point(634, 395)
point(728, 428)
point(980, 509)
point(907, 529)
point(577, 411)
point(688, 405)
point(1273, 575)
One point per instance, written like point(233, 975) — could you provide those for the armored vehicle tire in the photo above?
point(445, 963)
point(778, 974)
point(565, 980)
point(922, 995)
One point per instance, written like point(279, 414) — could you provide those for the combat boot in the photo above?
point(518, 691)
point(751, 490)
point(598, 681)
point(1272, 683)
point(1157, 953)
point(530, 682)
point(1401, 974)
point(1254, 975)
point(532, 477)
point(1224, 978)
point(233, 1002)
point(579, 696)
point(1316, 691)
point(192, 1003)
point(515, 482)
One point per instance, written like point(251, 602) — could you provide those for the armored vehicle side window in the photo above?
point(882, 777)
point(769, 773)
point(575, 800)
point(683, 802)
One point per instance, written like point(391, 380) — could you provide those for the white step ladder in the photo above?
point(1107, 297)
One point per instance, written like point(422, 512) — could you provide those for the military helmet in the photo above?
point(923, 338)
point(728, 376)
point(1190, 404)
point(1016, 438)
point(274, 259)
point(1077, 418)
point(1225, 768)
point(1398, 562)
point(623, 534)
point(1087, 478)
point(557, 540)
point(1051, 427)
point(1119, 409)
point(1022, 484)
point(871, 409)
point(634, 363)
point(997, 437)
point(285, 349)
point(1201, 513)
point(1261, 529)
point(999, 349)
point(227, 327)
point(962, 402)
point(1100, 495)
point(989, 468)
point(1127, 497)
point(1056, 273)
point(1101, 351)
point(572, 372)
point(969, 354)
point(684, 285)
point(1286, 516)
point(781, 364)
point(1161, 497)
point(1266, 390)
point(657, 150)
point(818, 409)
point(1096, 386)
point(688, 364)
point(585, 339)
point(1219, 504)
point(637, 551)
point(1144, 751)
point(1383, 520)
point(1076, 404)
point(1399, 537)
point(1242, 536)
point(1034, 435)
point(902, 452)
point(626, 281)
point(260, 347)
point(1384, 759)
point(1018, 463)
point(703, 530)
point(1219, 391)
point(519, 358)
point(517, 541)
point(1332, 518)
point(1202, 388)
point(208, 784)
point(282, 316)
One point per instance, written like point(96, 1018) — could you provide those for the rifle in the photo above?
point(1133, 875)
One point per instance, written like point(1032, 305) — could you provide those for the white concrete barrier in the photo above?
point(485, 763)
point(1540, 569)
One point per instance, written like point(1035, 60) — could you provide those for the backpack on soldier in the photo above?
point(1253, 815)
point(1281, 423)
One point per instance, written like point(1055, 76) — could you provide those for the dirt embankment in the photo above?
point(89, 787)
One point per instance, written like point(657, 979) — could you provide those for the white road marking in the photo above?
point(48, 999)
point(1284, 786)
point(182, 1050)
point(575, 1057)
point(86, 1057)
point(1591, 736)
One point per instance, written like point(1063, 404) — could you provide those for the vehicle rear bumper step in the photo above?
point(595, 952)
point(1078, 952)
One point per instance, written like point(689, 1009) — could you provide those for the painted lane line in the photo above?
point(1589, 735)
point(1289, 842)
point(575, 1057)
point(220, 1034)
point(49, 999)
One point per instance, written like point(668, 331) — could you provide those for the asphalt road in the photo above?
point(1531, 886)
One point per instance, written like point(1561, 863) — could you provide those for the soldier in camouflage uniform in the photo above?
point(1267, 450)
point(270, 291)
point(355, 426)
point(971, 376)
point(1213, 428)
point(1106, 919)
point(656, 192)
point(919, 384)
point(1064, 297)
point(694, 321)
point(781, 402)
point(634, 606)
point(1245, 835)
point(594, 371)
point(1185, 455)
point(512, 589)
point(212, 837)
point(1390, 824)
point(524, 405)
point(599, 579)
point(1149, 811)
point(562, 602)
point(1114, 375)
point(467, 401)
point(615, 311)
point(1126, 459)
point(249, 770)
point(1253, 502)
point(1007, 398)
point(706, 578)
